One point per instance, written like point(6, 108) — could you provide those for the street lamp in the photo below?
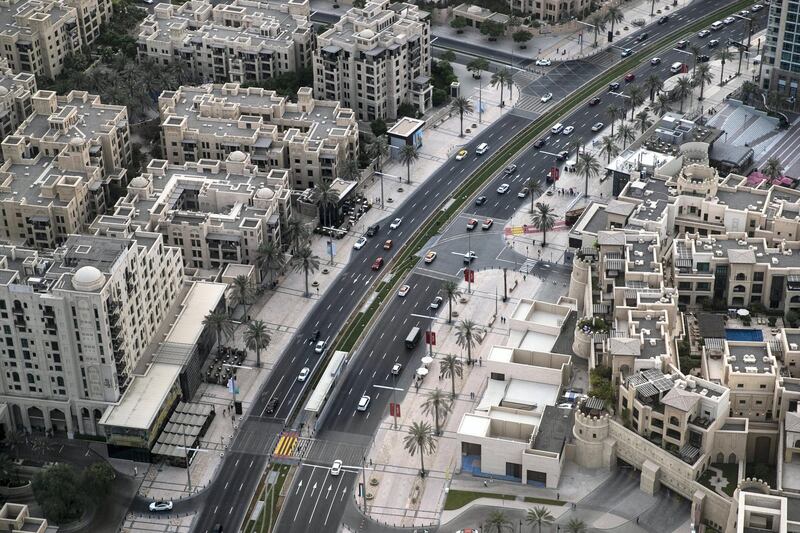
point(381, 175)
point(580, 35)
point(232, 385)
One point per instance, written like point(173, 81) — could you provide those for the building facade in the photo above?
point(782, 51)
point(376, 58)
point(16, 97)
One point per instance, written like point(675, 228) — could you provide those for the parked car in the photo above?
point(430, 256)
point(377, 264)
point(403, 290)
point(396, 223)
point(487, 224)
point(360, 243)
point(547, 97)
point(336, 467)
point(471, 224)
point(156, 507)
point(303, 375)
point(363, 403)
point(756, 8)
point(436, 302)
point(598, 126)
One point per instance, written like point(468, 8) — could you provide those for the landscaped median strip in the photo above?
point(456, 499)
point(358, 322)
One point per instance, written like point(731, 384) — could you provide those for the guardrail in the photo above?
point(358, 321)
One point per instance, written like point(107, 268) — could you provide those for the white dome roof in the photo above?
point(237, 156)
point(474, 9)
point(367, 34)
point(76, 141)
point(3, 91)
point(88, 278)
point(265, 194)
point(138, 182)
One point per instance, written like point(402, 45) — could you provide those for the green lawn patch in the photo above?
point(730, 472)
point(544, 501)
point(268, 511)
point(457, 499)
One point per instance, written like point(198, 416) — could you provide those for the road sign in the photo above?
point(361, 490)
point(469, 275)
point(555, 173)
point(430, 338)
point(394, 409)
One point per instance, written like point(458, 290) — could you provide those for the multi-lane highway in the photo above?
point(226, 500)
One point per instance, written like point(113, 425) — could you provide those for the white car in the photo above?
point(655, 61)
point(729, 20)
point(160, 506)
point(543, 62)
point(461, 154)
point(360, 243)
point(503, 188)
point(703, 33)
point(396, 223)
point(336, 467)
point(568, 130)
point(437, 302)
point(598, 126)
point(363, 403)
point(320, 347)
point(303, 374)
point(756, 7)
point(547, 97)
point(744, 13)
point(396, 368)
point(403, 290)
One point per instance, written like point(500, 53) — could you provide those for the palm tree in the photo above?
point(257, 338)
point(298, 232)
point(625, 135)
point(498, 522)
point(462, 105)
point(327, 196)
point(451, 292)
point(609, 148)
point(613, 113)
point(420, 439)
point(748, 88)
point(242, 291)
point(614, 14)
point(661, 105)
point(535, 188)
point(701, 77)
point(408, 155)
point(501, 78)
point(695, 50)
point(220, 323)
point(42, 446)
point(682, 89)
point(350, 170)
point(599, 22)
point(438, 405)
point(588, 167)
point(652, 85)
point(477, 67)
point(451, 367)
point(636, 97)
point(575, 144)
point(270, 258)
point(723, 55)
point(773, 168)
point(543, 218)
point(643, 120)
point(539, 516)
point(467, 333)
point(305, 260)
point(378, 151)
point(576, 526)
point(8, 468)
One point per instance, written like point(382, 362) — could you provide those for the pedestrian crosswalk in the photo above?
point(287, 444)
point(528, 265)
point(523, 78)
point(606, 58)
point(529, 102)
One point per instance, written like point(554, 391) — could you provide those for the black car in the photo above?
point(642, 37)
point(272, 405)
point(562, 156)
point(373, 229)
point(539, 143)
point(480, 200)
point(703, 58)
point(663, 20)
point(594, 101)
point(713, 43)
point(614, 86)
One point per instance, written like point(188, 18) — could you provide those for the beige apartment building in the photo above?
point(376, 58)
point(244, 41)
point(551, 10)
point(312, 139)
point(16, 97)
point(217, 213)
point(77, 322)
point(36, 35)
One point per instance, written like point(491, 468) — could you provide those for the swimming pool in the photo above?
point(744, 335)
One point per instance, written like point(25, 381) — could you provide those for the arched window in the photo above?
point(740, 276)
point(739, 288)
point(15, 376)
point(674, 421)
point(31, 379)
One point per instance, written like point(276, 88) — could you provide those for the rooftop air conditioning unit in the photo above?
point(774, 260)
point(793, 346)
point(653, 342)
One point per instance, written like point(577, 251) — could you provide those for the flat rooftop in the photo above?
point(202, 299)
point(141, 403)
point(749, 357)
point(555, 429)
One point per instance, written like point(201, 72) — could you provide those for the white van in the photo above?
point(482, 149)
point(718, 25)
point(557, 129)
point(676, 67)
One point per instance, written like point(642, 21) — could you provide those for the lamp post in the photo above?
point(232, 385)
point(381, 175)
point(580, 35)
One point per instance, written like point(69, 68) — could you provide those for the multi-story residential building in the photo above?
point(550, 10)
point(781, 54)
point(16, 517)
point(312, 139)
point(243, 41)
point(750, 372)
point(57, 120)
point(77, 322)
point(36, 35)
point(218, 213)
point(376, 58)
point(16, 97)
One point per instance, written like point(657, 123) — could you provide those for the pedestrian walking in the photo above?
point(485, 485)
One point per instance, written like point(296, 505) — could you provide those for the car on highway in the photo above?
point(397, 368)
point(156, 507)
point(713, 43)
point(360, 243)
point(472, 224)
point(373, 230)
point(480, 200)
point(630, 76)
point(377, 264)
point(303, 374)
point(396, 223)
point(594, 101)
point(626, 52)
point(598, 126)
point(681, 45)
point(562, 155)
point(436, 302)
point(703, 58)
point(555, 130)
point(543, 62)
point(272, 405)
point(568, 130)
point(403, 290)
point(539, 143)
point(461, 154)
point(487, 224)
point(470, 256)
point(503, 188)
point(641, 38)
point(663, 20)
point(320, 346)
point(430, 256)
point(363, 403)
point(523, 193)
point(703, 33)
point(744, 13)
point(655, 61)
point(547, 97)
point(510, 169)
point(388, 244)
point(613, 86)
point(469, 530)
point(728, 20)
point(756, 8)
point(336, 467)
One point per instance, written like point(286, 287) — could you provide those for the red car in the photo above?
point(377, 264)
point(630, 76)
